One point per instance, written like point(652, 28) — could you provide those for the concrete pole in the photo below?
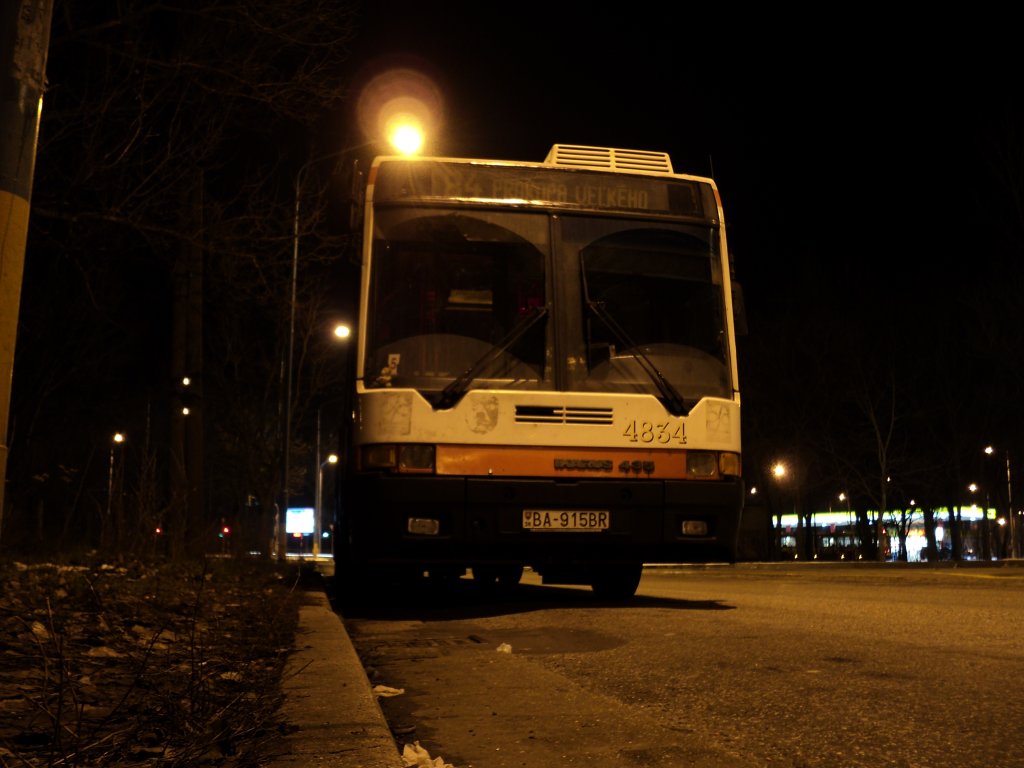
point(24, 43)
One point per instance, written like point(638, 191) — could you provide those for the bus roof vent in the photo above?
point(607, 158)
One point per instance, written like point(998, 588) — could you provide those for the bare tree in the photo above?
point(170, 140)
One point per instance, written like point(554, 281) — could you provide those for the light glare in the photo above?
point(406, 137)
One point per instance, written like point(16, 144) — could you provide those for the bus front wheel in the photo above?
point(618, 581)
point(502, 577)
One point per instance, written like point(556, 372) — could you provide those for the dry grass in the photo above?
point(143, 664)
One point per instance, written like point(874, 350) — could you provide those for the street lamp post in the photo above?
point(299, 181)
point(341, 333)
point(115, 441)
point(318, 512)
point(779, 474)
point(1010, 517)
point(402, 143)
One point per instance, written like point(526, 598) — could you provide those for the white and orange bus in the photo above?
point(546, 372)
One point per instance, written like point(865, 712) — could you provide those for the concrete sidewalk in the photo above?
point(332, 715)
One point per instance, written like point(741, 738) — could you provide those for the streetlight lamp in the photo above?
point(778, 471)
point(341, 333)
point(407, 147)
point(300, 177)
point(332, 458)
point(117, 439)
point(1010, 517)
point(852, 528)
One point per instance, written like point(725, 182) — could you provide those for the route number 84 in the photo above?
point(646, 432)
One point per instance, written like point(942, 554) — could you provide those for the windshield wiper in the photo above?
point(674, 401)
point(451, 394)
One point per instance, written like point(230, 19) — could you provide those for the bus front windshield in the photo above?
point(653, 318)
point(457, 295)
point(462, 300)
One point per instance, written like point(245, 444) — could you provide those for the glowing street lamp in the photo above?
point(116, 440)
point(1010, 518)
point(332, 458)
point(300, 177)
point(341, 333)
point(779, 472)
point(406, 136)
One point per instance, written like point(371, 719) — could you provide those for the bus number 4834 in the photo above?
point(646, 432)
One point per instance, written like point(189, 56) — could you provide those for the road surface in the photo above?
point(775, 665)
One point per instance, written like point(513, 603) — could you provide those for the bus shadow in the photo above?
point(463, 599)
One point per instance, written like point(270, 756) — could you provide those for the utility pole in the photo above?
point(24, 43)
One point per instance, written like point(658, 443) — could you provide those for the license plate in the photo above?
point(565, 520)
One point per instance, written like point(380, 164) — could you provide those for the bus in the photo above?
point(545, 373)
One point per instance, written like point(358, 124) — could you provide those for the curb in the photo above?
point(332, 716)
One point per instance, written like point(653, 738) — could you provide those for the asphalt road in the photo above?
point(731, 666)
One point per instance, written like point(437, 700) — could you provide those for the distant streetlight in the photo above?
point(854, 535)
point(341, 333)
point(778, 471)
point(317, 522)
point(300, 178)
point(1010, 517)
point(117, 439)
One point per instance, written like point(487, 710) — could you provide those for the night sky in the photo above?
point(832, 142)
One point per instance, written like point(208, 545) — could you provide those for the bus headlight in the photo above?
point(712, 464)
point(415, 458)
point(378, 456)
point(701, 464)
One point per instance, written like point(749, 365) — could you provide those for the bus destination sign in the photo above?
point(549, 187)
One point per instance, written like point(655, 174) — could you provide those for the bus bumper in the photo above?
point(465, 521)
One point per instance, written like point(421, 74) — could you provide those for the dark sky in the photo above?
point(832, 141)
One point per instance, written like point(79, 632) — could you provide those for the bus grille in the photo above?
point(552, 414)
point(609, 159)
